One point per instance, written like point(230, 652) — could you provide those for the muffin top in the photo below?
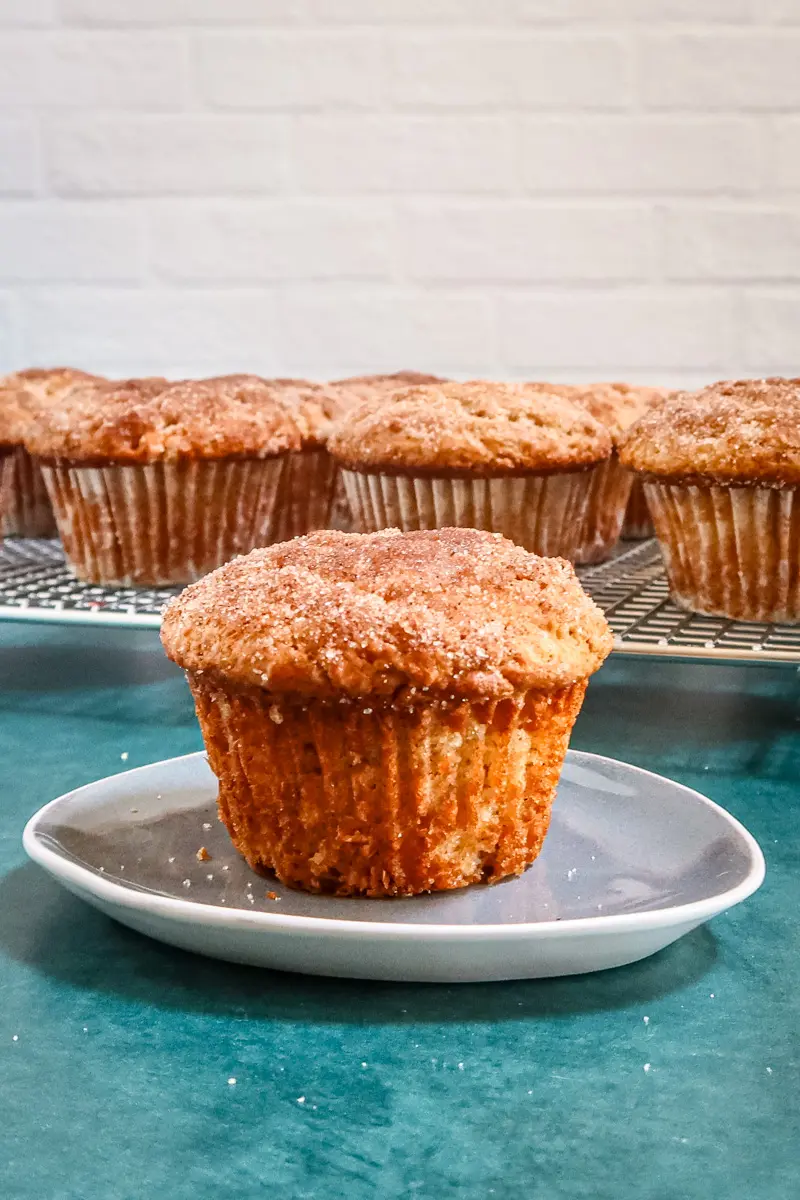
point(22, 391)
point(149, 420)
point(746, 431)
point(450, 613)
point(364, 387)
point(471, 428)
point(615, 405)
point(314, 407)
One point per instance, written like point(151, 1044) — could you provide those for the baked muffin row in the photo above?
point(155, 483)
point(152, 483)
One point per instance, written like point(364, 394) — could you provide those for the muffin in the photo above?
point(617, 406)
point(28, 511)
point(311, 493)
point(364, 387)
point(155, 483)
point(721, 468)
point(496, 456)
point(387, 714)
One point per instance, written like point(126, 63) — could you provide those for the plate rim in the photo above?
point(186, 911)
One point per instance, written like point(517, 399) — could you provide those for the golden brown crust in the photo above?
point(457, 612)
point(14, 415)
point(152, 420)
point(314, 406)
point(364, 387)
point(477, 428)
point(22, 391)
point(744, 432)
point(615, 405)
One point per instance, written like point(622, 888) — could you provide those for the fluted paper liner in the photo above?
point(609, 488)
point(356, 799)
point(27, 511)
point(730, 551)
point(161, 523)
point(638, 523)
point(6, 481)
point(307, 494)
point(543, 513)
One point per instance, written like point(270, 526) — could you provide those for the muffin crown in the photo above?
point(313, 406)
point(456, 613)
point(473, 428)
point(149, 420)
point(365, 387)
point(22, 391)
point(746, 431)
point(615, 405)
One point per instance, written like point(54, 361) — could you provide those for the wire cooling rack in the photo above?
point(36, 585)
point(631, 588)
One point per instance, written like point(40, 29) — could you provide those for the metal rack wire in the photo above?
point(36, 585)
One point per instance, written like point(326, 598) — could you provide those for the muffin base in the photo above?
point(730, 551)
point(609, 489)
point(6, 483)
point(161, 523)
point(638, 523)
point(543, 513)
point(357, 799)
point(307, 493)
point(27, 511)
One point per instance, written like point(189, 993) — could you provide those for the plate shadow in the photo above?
point(66, 940)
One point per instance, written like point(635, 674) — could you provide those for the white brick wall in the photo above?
point(577, 188)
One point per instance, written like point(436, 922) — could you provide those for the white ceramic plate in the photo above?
point(632, 861)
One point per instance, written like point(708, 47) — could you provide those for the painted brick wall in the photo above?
point(565, 188)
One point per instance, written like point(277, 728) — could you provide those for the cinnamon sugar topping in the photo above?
point(615, 405)
point(745, 431)
point(149, 420)
point(454, 613)
point(477, 427)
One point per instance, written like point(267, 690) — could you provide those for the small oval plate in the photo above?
point(632, 862)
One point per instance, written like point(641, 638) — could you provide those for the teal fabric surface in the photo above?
point(117, 1053)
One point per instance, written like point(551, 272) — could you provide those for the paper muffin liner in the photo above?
point(357, 799)
point(730, 551)
point(609, 488)
point(27, 510)
point(341, 516)
point(6, 483)
point(543, 513)
point(307, 494)
point(638, 523)
point(158, 524)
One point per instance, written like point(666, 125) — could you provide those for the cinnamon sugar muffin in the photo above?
point(311, 493)
point(495, 456)
point(721, 471)
point(617, 406)
point(28, 511)
point(155, 483)
point(364, 387)
point(387, 714)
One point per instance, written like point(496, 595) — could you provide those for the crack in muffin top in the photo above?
point(452, 613)
point(615, 405)
point(744, 431)
point(152, 420)
point(477, 428)
point(22, 391)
